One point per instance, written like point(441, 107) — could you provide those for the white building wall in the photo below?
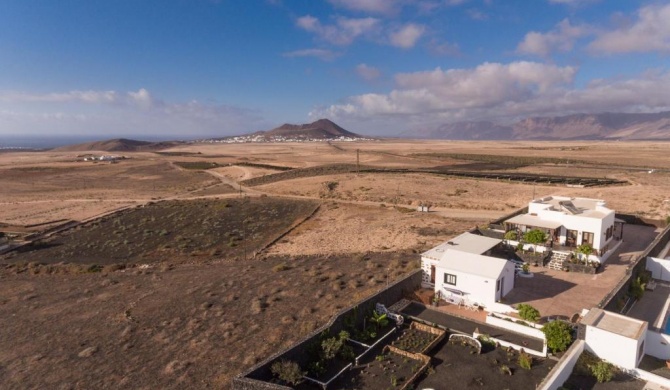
point(478, 289)
point(657, 345)
point(426, 264)
point(616, 349)
point(659, 268)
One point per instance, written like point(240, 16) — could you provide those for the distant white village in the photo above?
point(260, 138)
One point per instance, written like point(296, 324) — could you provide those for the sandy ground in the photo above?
point(345, 228)
point(197, 326)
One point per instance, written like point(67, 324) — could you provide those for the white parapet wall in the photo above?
point(659, 268)
point(657, 345)
point(514, 327)
point(562, 371)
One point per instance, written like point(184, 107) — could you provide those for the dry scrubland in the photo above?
point(76, 314)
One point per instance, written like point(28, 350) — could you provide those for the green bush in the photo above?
point(511, 235)
point(528, 312)
point(525, 360)
point(558, 334)
point(288, 371)
point(603, 371)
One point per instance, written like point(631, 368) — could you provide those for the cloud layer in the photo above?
point(501, 92)
point(131, 113)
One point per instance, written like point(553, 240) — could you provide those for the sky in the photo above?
point(190, 69)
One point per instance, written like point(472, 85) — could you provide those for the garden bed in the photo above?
point(418, 338)
point(392, 369)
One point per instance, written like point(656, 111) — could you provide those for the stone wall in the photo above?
point(255, 377)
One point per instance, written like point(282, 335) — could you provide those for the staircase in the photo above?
point(557, 259)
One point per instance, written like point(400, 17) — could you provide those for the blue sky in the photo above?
point(196, 68)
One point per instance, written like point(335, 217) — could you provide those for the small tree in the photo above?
point(288, 371)
point(558, 334)
point(528, 312)
point(585, 250)
point(535, 237)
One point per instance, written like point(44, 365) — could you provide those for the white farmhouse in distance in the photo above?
point(463, 270)
point(570, 222)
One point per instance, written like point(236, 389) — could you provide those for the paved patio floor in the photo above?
point(566, 293)
point(653, 306)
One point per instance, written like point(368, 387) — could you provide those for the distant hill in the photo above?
point(118, 145)
point(321, 129)
point(605, 126)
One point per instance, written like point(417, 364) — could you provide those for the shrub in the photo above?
point(636, 288)
point(559, 335)
point(602, 371)
point(528, 312)
point(280, 267)
point(525, 360)
point(288, 371)
point(511, 235)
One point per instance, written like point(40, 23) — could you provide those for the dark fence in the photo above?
point(610, 302)
point(256, 377)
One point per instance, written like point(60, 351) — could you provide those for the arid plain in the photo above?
point(184, 307)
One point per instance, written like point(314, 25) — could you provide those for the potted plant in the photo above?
point(436, 299)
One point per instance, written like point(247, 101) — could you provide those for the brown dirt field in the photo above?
point(171, 328)
point(196, 325)
point(344, 228)
point(170, 231)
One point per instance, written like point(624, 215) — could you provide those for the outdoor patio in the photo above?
point(566, 293)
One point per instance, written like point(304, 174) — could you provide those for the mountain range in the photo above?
point(604, 126)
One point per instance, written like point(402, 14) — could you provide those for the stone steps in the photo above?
point(557, 259)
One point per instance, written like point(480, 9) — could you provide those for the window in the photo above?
point(497, 285)
point(587, 238)
point(450, 279)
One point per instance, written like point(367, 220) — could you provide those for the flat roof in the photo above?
point(534, 220)
point(473, 264)
point(466, 242)
point(615, 323)
point(585, 207)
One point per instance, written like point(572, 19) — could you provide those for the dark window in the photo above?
point(450, 279)
point(498, 285)
point(587, 237)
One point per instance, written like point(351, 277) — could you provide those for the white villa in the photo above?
point(462, 271)
point(569, 223)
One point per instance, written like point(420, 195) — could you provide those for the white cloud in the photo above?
point(476, 14)
point(562, 38)
point(649, 33)
point(367, 73)
point(494, 91)
point(132, 113)
point(322, 54)
point(343, 32)
point(372, 6)
point(407, 36)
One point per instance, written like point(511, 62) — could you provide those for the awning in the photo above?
point(454, 291)
point(535, 221)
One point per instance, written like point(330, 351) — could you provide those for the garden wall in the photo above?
point(562, 371)
point(255, 377)
point(639, 265)
point(528, 330)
